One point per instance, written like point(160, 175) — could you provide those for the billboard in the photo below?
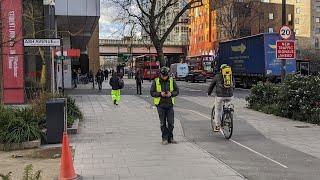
point(12, 51)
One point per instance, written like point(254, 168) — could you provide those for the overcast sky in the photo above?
point(108, 28)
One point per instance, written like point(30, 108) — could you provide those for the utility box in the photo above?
point(55, 118)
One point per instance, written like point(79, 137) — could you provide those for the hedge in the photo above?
point(297, 98)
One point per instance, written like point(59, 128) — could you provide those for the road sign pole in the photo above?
point(284, 19)
point(62, 66)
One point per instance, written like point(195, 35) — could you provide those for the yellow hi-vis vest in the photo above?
point(156, 100)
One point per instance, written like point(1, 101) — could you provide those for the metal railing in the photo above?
point(136, 43)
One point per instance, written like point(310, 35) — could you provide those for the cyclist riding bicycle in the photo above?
point(223, 81)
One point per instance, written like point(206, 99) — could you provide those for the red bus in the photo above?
point(148, 64)
point(203, 63)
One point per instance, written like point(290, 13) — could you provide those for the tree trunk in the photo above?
point(160, 54)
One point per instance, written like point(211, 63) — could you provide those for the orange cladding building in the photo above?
point(202, 35)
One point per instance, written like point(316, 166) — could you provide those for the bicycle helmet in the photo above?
point(164, 71)
point(223, 66)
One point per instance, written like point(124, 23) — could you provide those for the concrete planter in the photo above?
point(74, 128)
point(20, 146)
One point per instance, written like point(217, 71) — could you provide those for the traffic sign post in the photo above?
point(285, 32)
point(286, 49)
point(284, 22)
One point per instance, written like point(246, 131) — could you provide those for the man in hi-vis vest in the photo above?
point(164, 90)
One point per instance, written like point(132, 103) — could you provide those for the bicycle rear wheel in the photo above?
point(227, 125)
point(212, 118)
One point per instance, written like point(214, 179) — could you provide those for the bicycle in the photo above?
point(226, 119)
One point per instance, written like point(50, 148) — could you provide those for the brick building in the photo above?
point(217, 21)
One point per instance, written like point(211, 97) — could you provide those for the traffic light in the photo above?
point(123, 58)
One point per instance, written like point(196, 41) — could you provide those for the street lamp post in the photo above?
point(150, 62)
point(62, 68)
point(284, 19)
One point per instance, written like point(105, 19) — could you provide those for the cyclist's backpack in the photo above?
point(227, 77)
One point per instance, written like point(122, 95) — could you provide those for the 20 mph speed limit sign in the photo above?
point(285, 32)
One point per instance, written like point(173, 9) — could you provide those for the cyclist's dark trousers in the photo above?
point(139, 88)
point(166, 115)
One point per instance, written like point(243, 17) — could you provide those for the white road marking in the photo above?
point(266, 157)
point(258, 153)
point(200, 114)
point(189, 89)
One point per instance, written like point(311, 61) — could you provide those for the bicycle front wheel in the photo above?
point(227, 125)
point(212, 118)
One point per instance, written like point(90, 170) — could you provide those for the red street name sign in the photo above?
point(286, 49)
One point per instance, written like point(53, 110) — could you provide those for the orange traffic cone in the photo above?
point(66, 168)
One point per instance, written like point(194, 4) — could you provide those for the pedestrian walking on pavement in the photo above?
point(139, 81)
point(106, 74)
point(164, 90)
point(100, 78)
point(74, 78)
point(116, 84)
point(224, 93)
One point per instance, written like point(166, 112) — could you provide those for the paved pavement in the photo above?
point(124, 143)
point(262, 147)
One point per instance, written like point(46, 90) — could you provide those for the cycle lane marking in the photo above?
point(243, 146)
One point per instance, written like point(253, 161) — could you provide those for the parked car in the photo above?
point(194, 76)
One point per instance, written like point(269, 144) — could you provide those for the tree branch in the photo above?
point(176, 19)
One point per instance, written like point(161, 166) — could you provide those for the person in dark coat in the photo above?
point(223, 94)
point(106, 74)
point(100, 78)
point(164, 90)
point(74, 78)
point(116, 84)
point(139, 81)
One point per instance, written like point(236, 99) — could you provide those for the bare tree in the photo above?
point(235, 17)
point(33, 25)
point(151, 14)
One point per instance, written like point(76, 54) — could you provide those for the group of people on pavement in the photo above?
point(99, 77)
point(164, 91)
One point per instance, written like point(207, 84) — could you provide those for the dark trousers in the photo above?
point(74, 83)
point(139, 88)
point(100, 85)
point(166, 116)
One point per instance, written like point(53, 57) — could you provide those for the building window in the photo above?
point(266, 1)
point(270, 30)
point(297, 31)
point(176, 29)
point(289, 17)
point(318, 8)
point(316, 43)
point(298, 10)
point(317, 30)
point(270, 16)
point(297, 20)
point(317, 19)
point(290, 21)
